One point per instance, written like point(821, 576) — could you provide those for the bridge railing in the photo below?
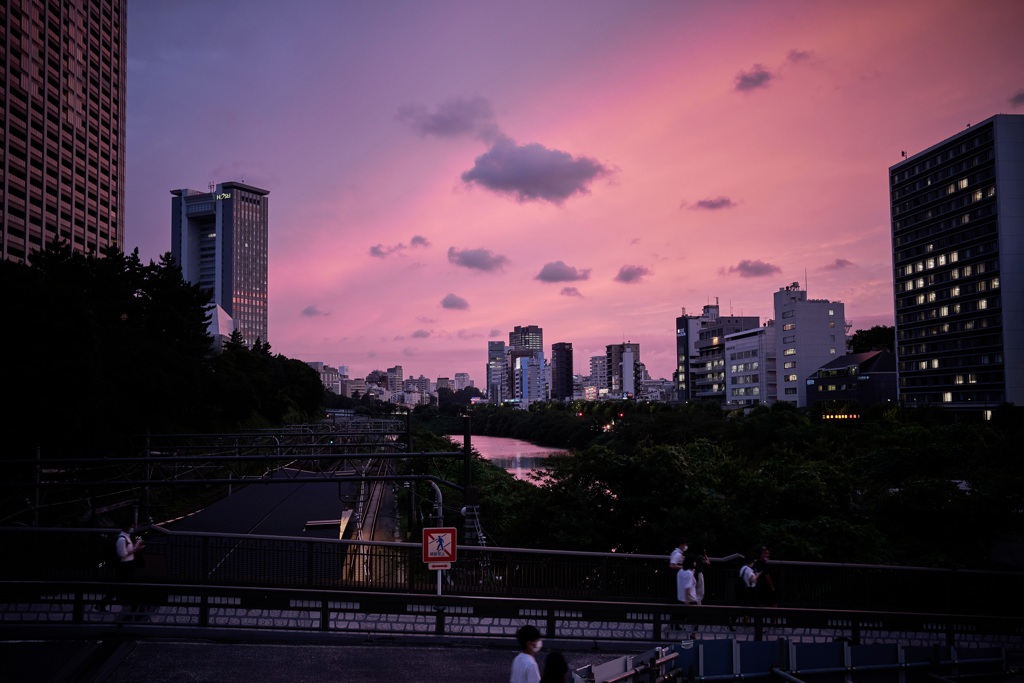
point(276, 561)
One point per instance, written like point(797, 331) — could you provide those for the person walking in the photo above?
point(524, 666)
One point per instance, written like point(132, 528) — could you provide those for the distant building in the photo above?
point(329, 376)
point(808, 334)
point(700, 373)
point(62, 133)
point(444, 383)
point(219, 239)
point(957, 213)
point(561, 371)
point(598, 373)
point(497, 372)
point(353, 387)
point(860, 378)
point(462, 381)
point(750, 375)
point(396, 379)
point(623, 369)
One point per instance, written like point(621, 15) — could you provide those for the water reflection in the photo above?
point(520, 458)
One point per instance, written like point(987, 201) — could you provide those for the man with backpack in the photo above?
point(125, 563)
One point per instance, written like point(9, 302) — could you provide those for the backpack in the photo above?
point(107, 550)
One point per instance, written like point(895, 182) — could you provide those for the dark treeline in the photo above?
point(100, 350)
point(895, 486)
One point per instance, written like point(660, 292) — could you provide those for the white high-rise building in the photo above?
point(750, 377)
point(808, 334)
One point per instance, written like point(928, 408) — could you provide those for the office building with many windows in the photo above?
point(957, 211)
point(219, 238)
point(561, 371)
point(62, 125)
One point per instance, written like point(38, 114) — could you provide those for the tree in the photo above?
point(878, 338)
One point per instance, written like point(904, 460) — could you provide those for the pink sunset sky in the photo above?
point(442, 171)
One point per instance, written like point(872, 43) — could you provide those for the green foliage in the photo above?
point(878, 338)
point(899, 486)
point(101, 350)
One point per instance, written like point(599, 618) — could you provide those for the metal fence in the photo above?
point(273, 561)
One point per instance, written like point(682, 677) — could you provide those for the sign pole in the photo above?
point(438, 583)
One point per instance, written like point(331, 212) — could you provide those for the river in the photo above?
point(520, 458)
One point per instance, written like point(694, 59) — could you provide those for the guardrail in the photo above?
point(229, 612)
point(276, 561)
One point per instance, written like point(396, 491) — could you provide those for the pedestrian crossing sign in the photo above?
point(439, 544)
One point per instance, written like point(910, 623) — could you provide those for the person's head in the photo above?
point(683, 545)
point(763, 553)
point(529, 639)
point(555, 667)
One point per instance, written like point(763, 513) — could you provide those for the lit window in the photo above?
point(788, 326)
point(982, 304)
point(790, 378)
point(947, 396)
point(922, 365)
point(930, 263)
point(942, 259)
point(977, 196)
point(931, 296)
point(995, 283)
point(944, 310)
point(954, 256)
point(789, 364)
point(954, 290)
point(955, 273)
point(789, 352)
point(920, 298)
point(832, 352)
point(832, 311)
point(961, 184)
point(959, 379)
point(919, 266)
point(935, 362)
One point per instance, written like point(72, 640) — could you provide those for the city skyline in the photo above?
point(444, 172)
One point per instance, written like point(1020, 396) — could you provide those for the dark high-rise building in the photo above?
point(561, 371)
point(957, 213)
point(623, 369)
point(527, 338)
point(62, 125)
point(219, 238)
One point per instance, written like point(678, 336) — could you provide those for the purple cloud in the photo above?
point(714, 204)
point(558, 271)
point(757, 77)
point(453, 118)
point(839, 264)
point(419, 241)
point(1017, 100)
point(533, 172)
point(420, 334)
point(799, 56)
point(495, 333)
point(381, 251)
point(478, 259)
point(570, 291)
point(631, 274)
point(454, 302)
point(749, 268)
point(312, 311)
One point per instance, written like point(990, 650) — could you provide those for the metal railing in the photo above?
point(277, 561)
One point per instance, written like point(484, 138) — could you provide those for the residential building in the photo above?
point(859, 379)
point(219, 239)
point(700, 373)
point(444, 383)
point(462, 381)
point(561, 371)
point(750, 376)
point(809, 333)
point(329, 376)
point(396, 379)
point(957, 211)
point(623, 369)
point(62, 126)
point(598, 374)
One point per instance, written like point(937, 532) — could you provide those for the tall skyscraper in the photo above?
point(219, 238)
point(561, 371)
point(496, 372)
point(62, 125)
point(808, 334)
point(957, 213)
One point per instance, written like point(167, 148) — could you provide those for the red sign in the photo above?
point(439, 544)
